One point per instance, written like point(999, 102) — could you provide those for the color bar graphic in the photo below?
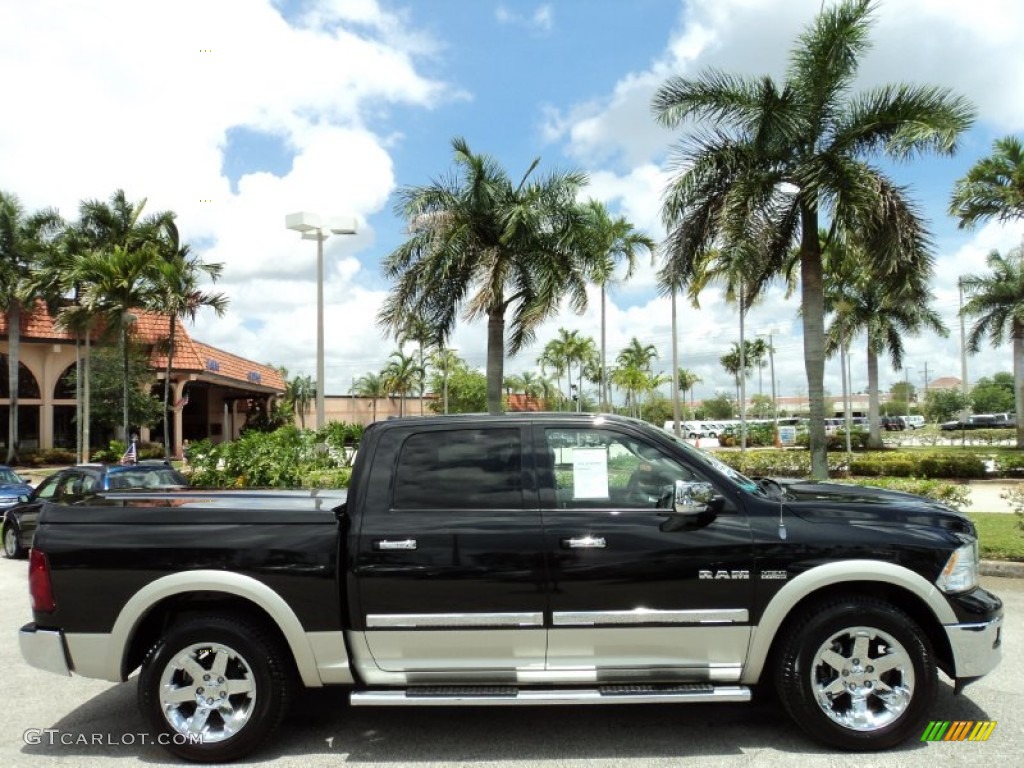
point(958, 730)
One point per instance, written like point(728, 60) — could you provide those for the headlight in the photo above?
point(961, 571)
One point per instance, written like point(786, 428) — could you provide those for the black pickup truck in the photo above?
point(521, 559)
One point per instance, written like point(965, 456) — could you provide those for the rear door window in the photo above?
point(460, 469)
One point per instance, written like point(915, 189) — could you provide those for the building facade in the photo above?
point(214, 392)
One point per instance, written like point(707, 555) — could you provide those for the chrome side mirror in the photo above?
point(693, 498)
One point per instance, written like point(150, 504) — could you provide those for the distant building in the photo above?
point(945, 382)
point(214, 390)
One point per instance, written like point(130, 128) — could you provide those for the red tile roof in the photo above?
point(150, 329)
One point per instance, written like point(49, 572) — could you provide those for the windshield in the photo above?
point(7, 476)
point(708, 459)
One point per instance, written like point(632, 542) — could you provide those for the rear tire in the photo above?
point(12, 544)
point(222, 678)
point(857, 673)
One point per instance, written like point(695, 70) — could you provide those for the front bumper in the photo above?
point(977, 647)
point(44, 649)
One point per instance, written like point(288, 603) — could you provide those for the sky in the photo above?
point(234, 113)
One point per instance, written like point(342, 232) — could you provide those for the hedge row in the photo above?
point(796, 463)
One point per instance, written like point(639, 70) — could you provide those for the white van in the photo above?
point(914, 421)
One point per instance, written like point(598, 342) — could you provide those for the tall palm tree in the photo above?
point(418, 330)
point(633, 372)
point(115, 284)
point(400, 377)
point(996, 301)
point(179, 297)
point(485, 246)
point(737, 364)
point(552, 358)
point(300, 392)
point(23, 240)
point(611, 241)
point(993, 187)
point(687, 381)
point(444, 361)
point(783, 158)
point(372, 386)
point(117, 231)
point(887, 311)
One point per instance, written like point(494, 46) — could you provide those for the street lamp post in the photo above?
point(771, 369)
point(310, 226)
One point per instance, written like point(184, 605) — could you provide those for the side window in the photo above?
point(460, 469)
point(48, 488)
point(600, 468)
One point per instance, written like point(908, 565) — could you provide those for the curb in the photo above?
point(1003, 568)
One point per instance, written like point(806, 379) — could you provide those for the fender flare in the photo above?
point(238, 585)
point(829, 574)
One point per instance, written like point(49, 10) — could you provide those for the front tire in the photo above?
point(857, 673)
point(215, 687)
point(12, 544)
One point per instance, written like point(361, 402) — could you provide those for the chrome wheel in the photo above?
point(12, 547)
point(207, 690)
point(862, 678)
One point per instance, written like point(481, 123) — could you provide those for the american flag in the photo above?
point(130, 456)
point(182, 402)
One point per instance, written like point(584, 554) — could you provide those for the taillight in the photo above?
point(40, 587)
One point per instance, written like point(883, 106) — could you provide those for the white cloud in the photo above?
point(541, 20)
point(135, 96)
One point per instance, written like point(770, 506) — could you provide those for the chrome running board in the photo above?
point(458, 696)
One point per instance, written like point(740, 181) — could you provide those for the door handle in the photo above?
point(584, 542)
point(397, 544)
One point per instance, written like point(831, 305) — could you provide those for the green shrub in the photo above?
point(1010, 464)
point(285, 458)
point(927, 465)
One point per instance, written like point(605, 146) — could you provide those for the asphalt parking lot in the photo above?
point(99, 723)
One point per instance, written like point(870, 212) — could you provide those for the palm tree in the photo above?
point(886, 310)
point(300, 392)
point(116, 283)
point(996, 300)
point(552, 358)
point(400, 377)
point(115, 265)
point(418, 330)
point(633, 373)
point(737, 363)
point(687, 381)
point(444, 361)
point(993, 187)
point(179, 297)
point(372, 386)
point(611, 241)
point(782, 158)
point(23, 240)
point(758, 351)
point(484, 246)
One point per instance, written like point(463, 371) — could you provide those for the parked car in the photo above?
point(981, 421)
point(75, 483)
point(892, 423)
point(12, 487)
point(914, 421)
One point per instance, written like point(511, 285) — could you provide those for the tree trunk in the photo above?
point(1018, 379)
point(604, 357)
point(13, 360)
point(495, 358)
point(875, 433)
point(167, 387)
point(87, 392)
point(124, 373)
point(812, 307)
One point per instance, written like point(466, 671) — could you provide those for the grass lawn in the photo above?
point(999, 536)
